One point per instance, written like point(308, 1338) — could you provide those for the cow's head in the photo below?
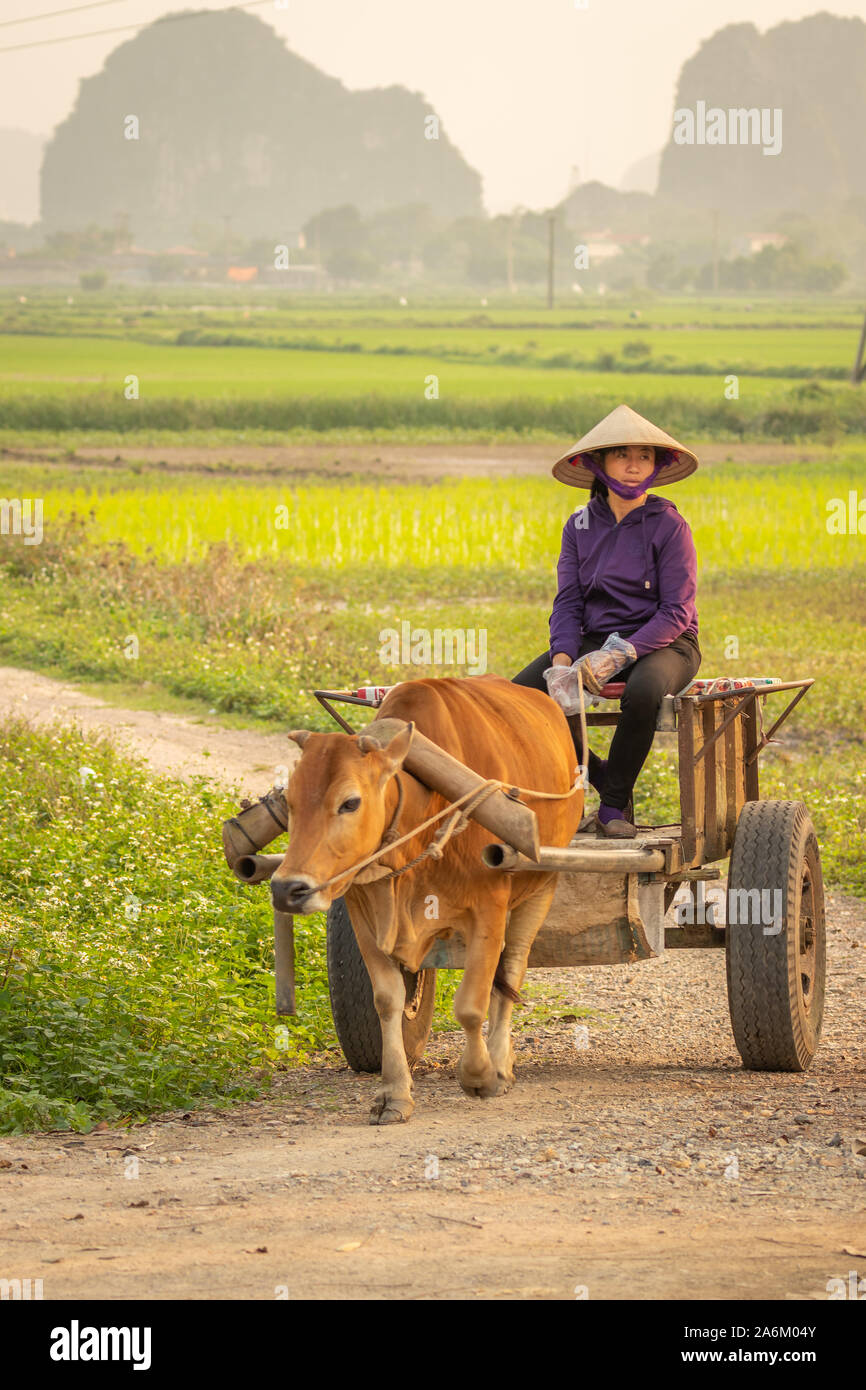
point(338, 812)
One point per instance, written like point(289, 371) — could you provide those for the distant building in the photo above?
point(753, 242)
point(603, 246)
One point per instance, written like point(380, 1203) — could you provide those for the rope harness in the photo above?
point(459, 813)
point(246, 805)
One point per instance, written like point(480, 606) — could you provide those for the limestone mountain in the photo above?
point(814, 72)
point(231, 124)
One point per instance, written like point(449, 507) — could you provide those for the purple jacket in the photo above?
point(637, 578)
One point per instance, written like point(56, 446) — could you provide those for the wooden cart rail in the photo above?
point(720, 737)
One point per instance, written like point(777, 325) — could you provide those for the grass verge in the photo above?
point(135, 972)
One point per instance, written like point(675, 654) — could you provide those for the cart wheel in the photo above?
point(355, 1017)
point(775, 945)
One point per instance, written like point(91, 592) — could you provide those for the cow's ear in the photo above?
point(299, 736)
point(395, 750)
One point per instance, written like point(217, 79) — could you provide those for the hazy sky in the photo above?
point(525, 88)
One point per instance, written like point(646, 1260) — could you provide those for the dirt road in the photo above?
point(395, 462)
point(646, 1164)
point(172, 745)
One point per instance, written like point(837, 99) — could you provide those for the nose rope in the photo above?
point(459, 812)
point(584, 738)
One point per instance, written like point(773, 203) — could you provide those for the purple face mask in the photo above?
point(626, 490)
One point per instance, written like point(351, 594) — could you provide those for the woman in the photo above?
point(625, 604)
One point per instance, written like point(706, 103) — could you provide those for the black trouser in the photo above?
point(662, 672)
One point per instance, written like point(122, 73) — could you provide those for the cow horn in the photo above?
point(299, 736)
point(368, 744)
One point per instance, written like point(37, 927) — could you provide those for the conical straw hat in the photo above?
point(625, 426)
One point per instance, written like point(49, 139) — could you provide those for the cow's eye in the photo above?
point(351, 804)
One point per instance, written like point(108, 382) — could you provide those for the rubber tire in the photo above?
point(355, 1018)
point(776, 1025)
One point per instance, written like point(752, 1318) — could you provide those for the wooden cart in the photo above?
point(613, 895)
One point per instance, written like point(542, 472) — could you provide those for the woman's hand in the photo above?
point(596, 669)
point(600, 667)
point(563, 685)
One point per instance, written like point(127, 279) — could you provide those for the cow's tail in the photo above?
point(501, 985)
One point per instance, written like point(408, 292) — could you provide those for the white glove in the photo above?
point(601, 666)
point(563, 686)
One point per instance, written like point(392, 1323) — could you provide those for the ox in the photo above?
point(342, 795)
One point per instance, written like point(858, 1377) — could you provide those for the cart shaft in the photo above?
point(599, 858)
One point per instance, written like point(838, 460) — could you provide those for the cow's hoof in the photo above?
point(388, 1110)
point(483, 1085)
point(505, 1070)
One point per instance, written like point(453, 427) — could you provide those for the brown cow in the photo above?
point(341, 797)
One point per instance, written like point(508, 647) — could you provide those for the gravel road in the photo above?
point(633, 1160)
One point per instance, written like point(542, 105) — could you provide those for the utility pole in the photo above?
point(227, 230)
point(715, 250)
point(514, 217)
point(859, 372)
point(551, 249)
point(121, 231)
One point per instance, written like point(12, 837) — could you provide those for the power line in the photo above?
point(53, 14)
point(125, 28)
point(66, 38)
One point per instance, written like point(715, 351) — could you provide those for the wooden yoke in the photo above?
point(511, 820)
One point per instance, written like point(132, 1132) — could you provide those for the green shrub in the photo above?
point(136, 974)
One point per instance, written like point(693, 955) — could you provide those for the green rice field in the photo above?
point(270, 362)
point(245, 589)
point(244, 597)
